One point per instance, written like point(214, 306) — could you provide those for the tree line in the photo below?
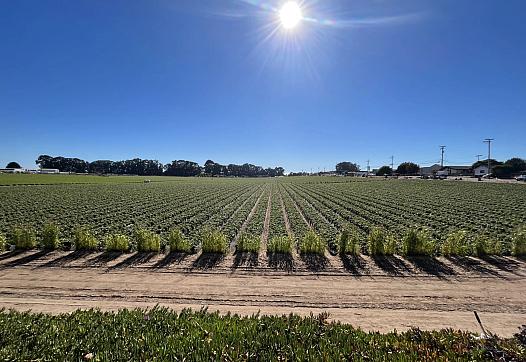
point(142, 167)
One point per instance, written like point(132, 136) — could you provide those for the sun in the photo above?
point(290, 15)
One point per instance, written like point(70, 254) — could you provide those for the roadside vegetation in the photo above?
point(280, 245)
point(248, 243)
point(214, 241)
point(84, 239)
point(178, 243)
point(117, 242)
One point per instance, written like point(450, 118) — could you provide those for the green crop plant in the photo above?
point(518, 242)
point(3, 242)
point(24, 237)
point(50, 236)
point(147, 240)
point(457, 243)
point(117, 242)
point(417, 242)
point(178, 242)
point(350, 241)
point(312, 243)
point(214, 241)
point(280, 245)
point(83, 239)
point(484, 245)
point(248, 243)
point(376, 241)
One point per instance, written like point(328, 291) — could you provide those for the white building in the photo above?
point(480, 170)
point(12, 170)
point(430, 170)
point(49, 170)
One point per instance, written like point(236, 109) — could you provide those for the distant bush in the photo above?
point(280, 245)
point(178, 242)
point(248, 243)
point(214, 241)
point(147, 240)
point(457, 243)
point(117, 242)
point(518, 242)
point(50, 236)
point(24, 237)
point(484, 245)
point(83, 239)
point(3, 242)
point(350, 241)
point(375, 241)
point(312, 243)
point(417, 242)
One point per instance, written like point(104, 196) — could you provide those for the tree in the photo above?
point(13, 165)
point(344, 167)
point(503, 171)
point(384, 170)
point(516, 164)
point(408, 168)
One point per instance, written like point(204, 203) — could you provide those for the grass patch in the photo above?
point(457, 243)
point(280, 245)
point(83, 239)
point(3, 242)
point(214, 241)
point(248, 243)
point(117, 242)
point(518, 242)
point(312, 243)
point(418, 242)
point(164, 335)
point(24, 237)
point(50, 236)
point(147, 240)
point(178, 242)
point(379, 242)
point(350, 241)
point(484, 245)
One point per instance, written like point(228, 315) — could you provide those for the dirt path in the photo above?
point(383, 295)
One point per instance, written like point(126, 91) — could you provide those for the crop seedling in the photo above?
point(178, 242)
point(518, 243)
point(117, 242)
point(50, 236)
point(214, 241)
point(147, 240)
point(312, 243)
point(83, 239)
point(280, 245)
point(248, 243)
point(350, 241)
point(24, 237)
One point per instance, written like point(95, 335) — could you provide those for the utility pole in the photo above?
point(392, 163)
point(442, 159)
point(478, 157)
point(368, 168)
point(488, 141)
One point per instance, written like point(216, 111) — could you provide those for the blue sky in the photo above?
point(186, 79)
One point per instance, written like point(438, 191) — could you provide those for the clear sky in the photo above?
point(224, 80)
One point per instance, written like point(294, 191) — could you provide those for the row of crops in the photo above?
point(304, 215)
point(164, 335)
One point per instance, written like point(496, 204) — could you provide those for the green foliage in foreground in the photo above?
point(164, 335)
point(83, 239)
point(280, 245)
point(518, 244)
point(3, 242)
point(248, 243)
point(24, 237)
point(418, 242)
point(117, 242)
point(379, 242)
point(214, 241)
point(350, 241)
point(178, 242)
point(50, 236)
point(147, 240)
point(312, 243)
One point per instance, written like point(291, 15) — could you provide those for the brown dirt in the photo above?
point(382, 294)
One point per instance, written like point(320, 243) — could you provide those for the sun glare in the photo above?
point(290, 15)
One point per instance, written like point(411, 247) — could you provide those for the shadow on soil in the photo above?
point(67, 258)
point(245, 259)
point(169, 259)
point(392, 265)
point(472, 265)
point(315, 262)
point(280, 261)
point(505, 264)
point(134, 260)
point(354, 264)
point(431, 266)
point(10, 254)
point(28, 258)
point(208, 260)
point(103, 259)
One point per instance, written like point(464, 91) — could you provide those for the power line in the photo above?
point(488, 141)
point(392, 162)
point(478, 157)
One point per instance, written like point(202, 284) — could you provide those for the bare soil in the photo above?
point(375, 294)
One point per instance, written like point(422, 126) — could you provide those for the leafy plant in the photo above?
point(350, 241)
point(214, 241)
point(50, 236)
point(417, 242)
point(24, 237)
point(457, 243)
point(375, 241)
point(484, 245)
point(312, 243)
point(178, 242)
point(248, 243)
point(83, 239)
point(3, 242)
point(147, 240)
point(117, 242)
point(518, 242)
point(280, 245)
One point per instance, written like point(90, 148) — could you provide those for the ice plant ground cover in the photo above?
point(162, 334)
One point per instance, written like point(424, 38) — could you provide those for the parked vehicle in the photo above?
point(521, 178)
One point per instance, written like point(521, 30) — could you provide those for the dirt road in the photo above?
point(366, 293)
